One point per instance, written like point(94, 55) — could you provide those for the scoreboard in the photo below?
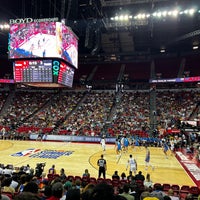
point(66, 75)
point(30, 71)
point(43, 71)
point(43, 52)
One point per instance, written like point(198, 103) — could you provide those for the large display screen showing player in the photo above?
point(44, 40)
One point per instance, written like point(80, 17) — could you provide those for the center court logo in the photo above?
point(38, 153)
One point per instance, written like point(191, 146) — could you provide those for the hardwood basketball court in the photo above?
point(76, 157)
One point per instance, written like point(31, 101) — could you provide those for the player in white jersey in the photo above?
point(132, 164)
point(172, 146)
point(103, 143)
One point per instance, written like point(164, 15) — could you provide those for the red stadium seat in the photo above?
point(123, 182)
point(93, 180)
point(100, 180)
point(176, 189)
point(77, 178)
point(115, 182)
point(166, 187)
point(50, 177)
point(108, 181)
point(184, 191)
point(70, 178)
point(156, 185)
point(194, 190)
point(56, 176)
point(85, 180)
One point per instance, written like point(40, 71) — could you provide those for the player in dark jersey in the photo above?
point(102, 167)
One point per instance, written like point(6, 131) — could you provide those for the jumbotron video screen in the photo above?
point(43, 40)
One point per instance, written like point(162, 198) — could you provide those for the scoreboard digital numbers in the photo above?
point(30, 71)
point(66, 75)
point(43, 71)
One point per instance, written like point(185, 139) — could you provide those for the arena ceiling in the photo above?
point(104, 40)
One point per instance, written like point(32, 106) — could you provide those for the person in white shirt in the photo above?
point(7, 171)
point(147, 182)
point(132, 164)
point(171, 195)
point(1, 170)
point(103, 143)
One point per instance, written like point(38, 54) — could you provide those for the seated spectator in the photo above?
point(52, 170)
point(86, 173)
point(130, 177)
point(57, 191)
point(15, 182)
point(148, 183)
point(171, 195)
point(63, 176)
point(126, 192)
point(7, 171)
point(73, 194)
point(139, 176)
point(1, 169)
point(6, 186)
point(86, 191)
point(24, 179)
point(123, 176)
point(31, 187)
point(115, 175)
point(166, 197)
point(102, 191)
point(144, 194)
point(158, 192)
point(47, 192)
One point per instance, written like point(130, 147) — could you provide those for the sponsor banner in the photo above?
point(30, 20)
point(67, 138)
point(192, 169)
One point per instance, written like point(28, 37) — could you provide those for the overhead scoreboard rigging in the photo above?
point(43, 52)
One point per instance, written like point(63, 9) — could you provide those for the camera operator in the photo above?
point(39, 169)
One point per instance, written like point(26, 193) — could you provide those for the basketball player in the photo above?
point(118, 149)
point(102, 167)
point(147, 159)
point(165, 148)
point(172, 146)
point(126, 144)
point(132, 164)
point(103, 143)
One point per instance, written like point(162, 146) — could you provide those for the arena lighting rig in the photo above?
point(158, 14)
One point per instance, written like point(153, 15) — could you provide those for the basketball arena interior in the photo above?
point(79, 77)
